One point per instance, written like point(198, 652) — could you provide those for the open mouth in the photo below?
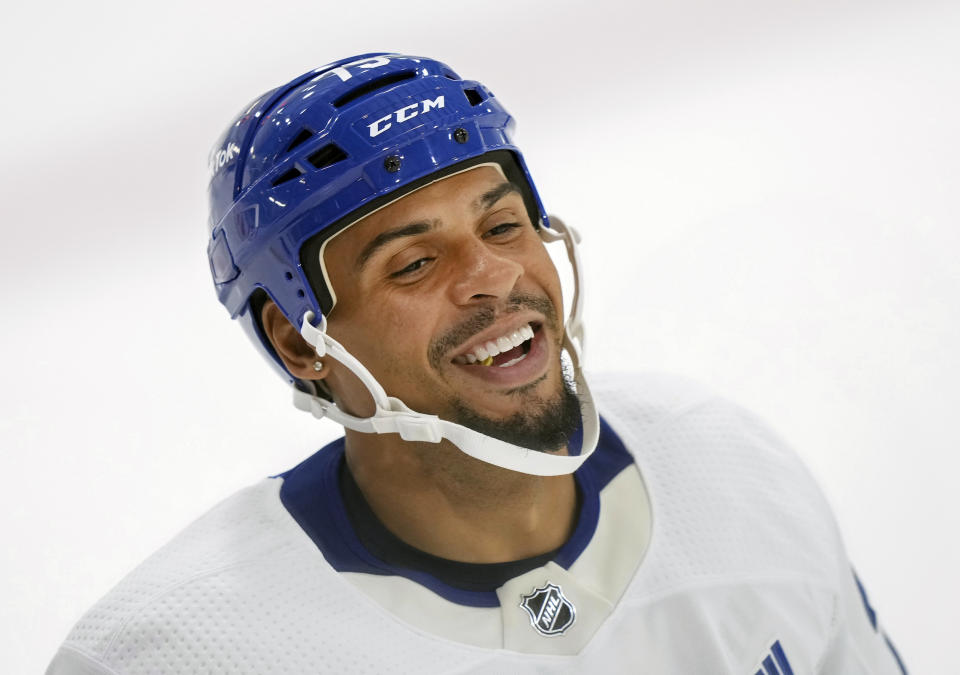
point(505, 351)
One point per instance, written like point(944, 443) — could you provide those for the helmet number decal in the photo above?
point(344, 74)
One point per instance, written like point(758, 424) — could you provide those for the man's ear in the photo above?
point(296, 353)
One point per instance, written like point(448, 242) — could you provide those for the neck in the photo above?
point(441, 501)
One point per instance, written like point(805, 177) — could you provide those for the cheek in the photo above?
point(387, 337)
point(397, 318)
point(541, 268)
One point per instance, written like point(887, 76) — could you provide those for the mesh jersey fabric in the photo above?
point(744, 563)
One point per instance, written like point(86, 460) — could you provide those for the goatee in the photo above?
point(544, 425)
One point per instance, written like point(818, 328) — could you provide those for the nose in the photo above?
point(481, 274)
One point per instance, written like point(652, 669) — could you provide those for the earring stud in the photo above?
point(318, 366)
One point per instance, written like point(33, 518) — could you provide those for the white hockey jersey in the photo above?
point(703, 547)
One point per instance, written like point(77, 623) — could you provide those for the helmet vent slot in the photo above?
point(373, 85)
point(301, 138)
point(327, 155)
point(287, 176)
point(474, 96)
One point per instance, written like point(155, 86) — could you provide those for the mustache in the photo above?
point(484, 317)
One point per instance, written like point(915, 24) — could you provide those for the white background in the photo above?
point(768, 193)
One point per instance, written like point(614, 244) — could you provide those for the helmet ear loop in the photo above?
point(573, 328)
point(391, 414)
point(326, 347)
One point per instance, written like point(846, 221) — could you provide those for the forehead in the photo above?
point(459, 192)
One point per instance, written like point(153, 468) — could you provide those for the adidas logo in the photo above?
point(775, 662)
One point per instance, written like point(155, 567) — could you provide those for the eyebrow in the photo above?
point(386, 237)
point(492, 196)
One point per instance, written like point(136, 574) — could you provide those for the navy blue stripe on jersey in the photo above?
point(871, 614)
point(896, 654)
point(781, 667)
point(781, 658)
point(610, 458)
point(311, 494)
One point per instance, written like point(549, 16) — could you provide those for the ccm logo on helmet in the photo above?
point(405, 113)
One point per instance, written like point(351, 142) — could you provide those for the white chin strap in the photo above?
point(392, 416)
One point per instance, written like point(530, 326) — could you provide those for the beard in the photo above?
point(545, 424)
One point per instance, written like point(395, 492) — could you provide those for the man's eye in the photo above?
point(501, 229)
point(411, 268)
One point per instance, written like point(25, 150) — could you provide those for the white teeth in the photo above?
point(513, 361)
point(502, 344)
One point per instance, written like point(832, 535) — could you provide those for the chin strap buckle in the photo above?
point(423, 430)
point(412, 426)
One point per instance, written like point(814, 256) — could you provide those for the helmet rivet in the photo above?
point(392, 163)
point(461, 135)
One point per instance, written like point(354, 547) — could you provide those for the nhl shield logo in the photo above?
point(550, 612)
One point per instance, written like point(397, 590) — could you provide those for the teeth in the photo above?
point(502, 344)
point(513, 361)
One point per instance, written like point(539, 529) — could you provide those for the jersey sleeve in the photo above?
point(859, 644)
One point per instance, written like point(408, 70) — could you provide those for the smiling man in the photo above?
point(379, 237)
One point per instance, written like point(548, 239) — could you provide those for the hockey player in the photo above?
point(379, 237)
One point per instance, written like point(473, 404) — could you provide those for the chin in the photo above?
point(545, 422)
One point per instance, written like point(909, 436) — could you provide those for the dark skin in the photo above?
point(407, 279)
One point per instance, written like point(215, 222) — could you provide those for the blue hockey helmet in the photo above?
point(306, 159)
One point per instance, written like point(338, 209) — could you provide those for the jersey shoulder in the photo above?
point(163, 596)
point(642, 400)
point(653, 409)
point(244, 589)
point(732, 493)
